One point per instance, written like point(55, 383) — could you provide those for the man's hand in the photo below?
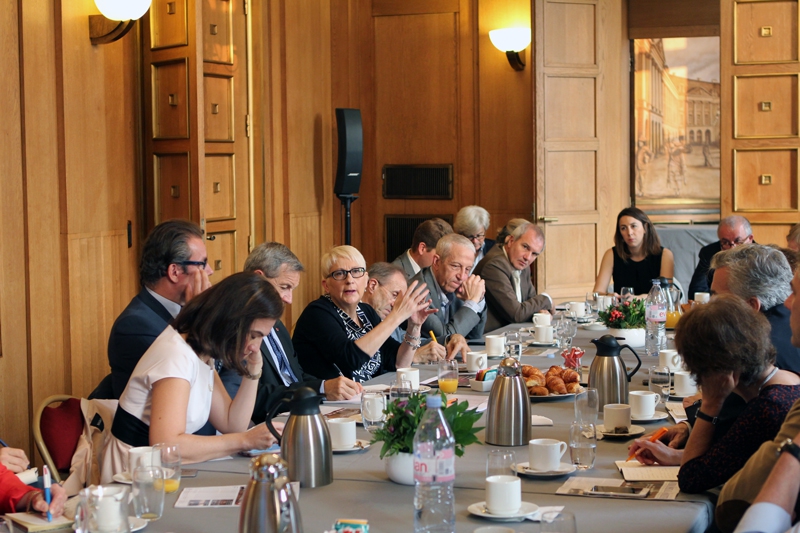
point(456, 345)
point(196, 285)
point(472, 289)
point(14, 459)
point(430, 353)
point(341, 388)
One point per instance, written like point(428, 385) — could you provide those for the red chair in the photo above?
point(56, 431)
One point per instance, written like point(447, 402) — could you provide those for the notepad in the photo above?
point(636, 471)
point(36, 522)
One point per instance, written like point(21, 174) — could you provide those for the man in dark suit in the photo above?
point(174, 267)
point(281, 371)
point(510, 296)
point(449, 278)
point(732, 231)
point(423, 246)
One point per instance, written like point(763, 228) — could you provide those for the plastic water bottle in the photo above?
point(655, 311)
point(434, 472)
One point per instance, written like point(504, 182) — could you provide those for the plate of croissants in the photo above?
point(554, 384)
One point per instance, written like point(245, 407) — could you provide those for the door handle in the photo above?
point(548, 219)
point(211, 237)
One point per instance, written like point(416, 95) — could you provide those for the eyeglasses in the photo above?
point(340, 275)
point(202, 264)
point(725, 243)
point(478, 237)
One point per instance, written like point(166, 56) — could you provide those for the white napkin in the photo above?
point(537, 420)
point(537, 516)
point(29, 476)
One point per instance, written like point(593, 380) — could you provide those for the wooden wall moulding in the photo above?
point(218, 32)
point(220, 186)
point(382, 8)
point(765, 32)
point(563, 18)
point(564, 272)
point(567, 172)
point(222, 254)
point(170, 89)
point(172, 186)
point(218, 112)
point(765, 106)
point(169, 24)
point(571, 108)
point(752, 193)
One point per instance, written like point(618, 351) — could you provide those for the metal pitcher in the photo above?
point(305, 443)
point(509, 411)
point(269, 504)
point(607, 373)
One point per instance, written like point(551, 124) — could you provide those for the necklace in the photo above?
point(769, 377)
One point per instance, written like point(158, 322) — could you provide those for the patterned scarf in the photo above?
point(372, 366)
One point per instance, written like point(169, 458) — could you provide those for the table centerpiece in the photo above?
point(397, 434)
point(626, 320)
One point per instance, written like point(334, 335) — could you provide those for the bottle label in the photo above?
point(439, 468)
point(656, 313)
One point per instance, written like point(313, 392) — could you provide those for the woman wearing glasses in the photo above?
point(472, 222)
point(337, 334)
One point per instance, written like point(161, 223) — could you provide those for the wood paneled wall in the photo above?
point(651, 19)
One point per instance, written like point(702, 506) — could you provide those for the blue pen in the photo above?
point(46, 475)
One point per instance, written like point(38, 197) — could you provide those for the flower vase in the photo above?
point(400, 468)
point(632, 337)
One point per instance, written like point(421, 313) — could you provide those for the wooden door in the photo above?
point(198, 127)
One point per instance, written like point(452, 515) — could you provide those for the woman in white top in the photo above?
point(174, 388)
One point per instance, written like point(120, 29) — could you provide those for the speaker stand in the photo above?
point(347, 200)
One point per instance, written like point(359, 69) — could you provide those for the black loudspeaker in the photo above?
point(351, 151)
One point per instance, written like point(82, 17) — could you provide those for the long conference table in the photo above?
point(361, 488)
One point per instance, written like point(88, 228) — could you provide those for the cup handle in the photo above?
point(481, 363)
point(656, 399)
point(563, 447)
point(676, 360)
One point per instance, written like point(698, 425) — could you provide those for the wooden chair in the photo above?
point(56, 431)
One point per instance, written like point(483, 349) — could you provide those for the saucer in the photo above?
point(537, 343)
point(134, 522)
point(675, 396)
point(526, 509)
point(658, 415)
point(123, 477)
point(562, 470)
point(594, 326)
point(359, 445)
point(635, 431)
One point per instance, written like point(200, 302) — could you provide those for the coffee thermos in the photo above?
point(509, 410)
point(269, 504)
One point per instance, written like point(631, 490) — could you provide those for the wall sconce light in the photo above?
point(512, 41)
point(117, 19)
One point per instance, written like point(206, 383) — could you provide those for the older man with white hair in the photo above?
point(732, 231)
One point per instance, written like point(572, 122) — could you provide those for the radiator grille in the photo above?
point(400, 231)
point(418, 181)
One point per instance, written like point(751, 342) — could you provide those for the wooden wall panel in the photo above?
point(771, 233)
point(309, 249)
point(674, 18)
point(780, 45)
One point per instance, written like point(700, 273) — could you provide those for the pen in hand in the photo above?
point(657, 435)
point(46, 475)
point(338, 369)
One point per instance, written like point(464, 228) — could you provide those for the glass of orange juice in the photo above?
point(171, 463)
point(448, 376)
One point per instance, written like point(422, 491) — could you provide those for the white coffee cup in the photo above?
point(607, 302)
point(616, 415)
point(579, 308)
point(495, 344)
point(142, 456)
point(411, 374)
point(702, 297)
point(542, 319)
point(503, 495)
point(543, 334)
point(684, 383)
point(476, 361)
point(643, 404)
point(670, 359)
point(343, 433)
point(545, 454)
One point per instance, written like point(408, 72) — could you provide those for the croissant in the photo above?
point(555, 369)
point(570, 376)
point(574, 387)
point(528, 370)
point(556, 385)
point(538, 391)
point(534, 381)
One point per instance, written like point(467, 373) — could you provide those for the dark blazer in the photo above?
point(493, 251)
point(463, 320)
point(403, 262)
point(781, 335)
point(133, 332)
point(501, 299)
point(270, 385)
point(702, 277)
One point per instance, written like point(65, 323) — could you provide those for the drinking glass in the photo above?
point(572, 328)
point(592, 304)
point(148, 492)
point(660, 382)
point(587, 405)
point(102, 509)
point(512, 336)
point(582, 444)
point(501, 463)
point(373, 404)
point(558, 522)
point(171, 463)
point(400, 389)
point(562, 332)
point(626, 293)
point(448, 376)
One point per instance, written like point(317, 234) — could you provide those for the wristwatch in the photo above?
point(789, 446)
point(708, 418)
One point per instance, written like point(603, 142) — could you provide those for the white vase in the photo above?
point(400, 468)
point(632, 337)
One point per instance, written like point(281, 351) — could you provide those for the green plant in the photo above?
point(403, 417)
point(627, 315)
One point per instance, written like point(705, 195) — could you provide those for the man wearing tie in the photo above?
point(510, 296)
point(282, 371)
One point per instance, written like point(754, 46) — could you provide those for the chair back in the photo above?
point(56, 431)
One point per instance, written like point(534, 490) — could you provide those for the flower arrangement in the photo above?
point(626, 315)
point(404, 415)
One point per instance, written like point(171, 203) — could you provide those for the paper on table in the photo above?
point(357, 400)
point(37, 522)
point(661, 490)
point(636, 471)
point(29, 476)
point(429, 380)
point(677, 411)
point(537, 420)
point(225, 496)
point(473, 401)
